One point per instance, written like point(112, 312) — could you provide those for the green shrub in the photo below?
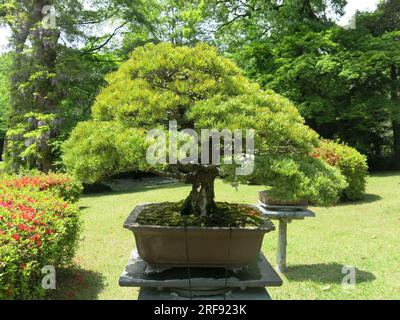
point(351, 163)
point(37, 228)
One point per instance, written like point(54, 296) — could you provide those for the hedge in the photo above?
point(37, 228)
point(351, 163)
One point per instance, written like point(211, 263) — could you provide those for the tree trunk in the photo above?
point(201, 200)
point(395, 95)
point(19, 73)
point(396, 142)
point(45, 42)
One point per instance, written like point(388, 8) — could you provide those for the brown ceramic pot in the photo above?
point(196, 246)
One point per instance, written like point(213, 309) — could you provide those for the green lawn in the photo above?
point(365, 235)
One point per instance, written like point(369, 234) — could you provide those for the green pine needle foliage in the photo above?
point(199, 89)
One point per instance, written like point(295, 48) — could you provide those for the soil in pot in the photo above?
point(168, 214)
point(231, 237)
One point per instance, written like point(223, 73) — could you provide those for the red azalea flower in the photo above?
point(36, 239)
point(28, 216)
point(16, 237)
point(23, 227)
point(7, 205)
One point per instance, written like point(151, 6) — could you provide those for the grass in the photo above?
point(364, 235)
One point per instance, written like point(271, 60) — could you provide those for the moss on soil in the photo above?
point(227, 215)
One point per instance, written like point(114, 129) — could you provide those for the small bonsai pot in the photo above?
point(267, 199)
point(196, 246)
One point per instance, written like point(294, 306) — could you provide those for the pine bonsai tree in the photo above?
point(196, 88)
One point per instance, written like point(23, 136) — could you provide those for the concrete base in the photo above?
point(246, 283)
point(258, 275)
point(236, 294)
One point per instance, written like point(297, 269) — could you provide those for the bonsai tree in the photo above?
point(196, 88)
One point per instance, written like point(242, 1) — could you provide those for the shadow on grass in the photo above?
point(77, 284)
point(135, 188)
point(368, 198)
point(329, 273)
point(385, 174)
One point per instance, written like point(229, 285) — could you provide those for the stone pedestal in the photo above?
point(285, 215)
point(233, 295)
point(183, 283)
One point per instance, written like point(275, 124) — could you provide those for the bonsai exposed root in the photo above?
point(201, 201)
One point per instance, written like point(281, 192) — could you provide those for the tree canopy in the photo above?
point(343, 81)
point(49, 79)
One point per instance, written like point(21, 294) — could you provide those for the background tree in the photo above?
point(175, 21)
point(5, 108)
point(345, 83)
point(247, 23)
point(342, 80)
point(49, 75)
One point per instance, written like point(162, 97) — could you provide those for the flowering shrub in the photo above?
point(351, 163)
point(58, 184)
point(37, 228)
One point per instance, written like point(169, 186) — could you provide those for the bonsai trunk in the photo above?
point(201, 200)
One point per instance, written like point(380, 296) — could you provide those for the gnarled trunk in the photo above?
point(201, 200)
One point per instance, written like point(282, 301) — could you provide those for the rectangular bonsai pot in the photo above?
point(196, 246)
point(266, 198)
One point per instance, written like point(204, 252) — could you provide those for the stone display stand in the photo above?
point(234, 294)
point(285, 215)
point(182, 283)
